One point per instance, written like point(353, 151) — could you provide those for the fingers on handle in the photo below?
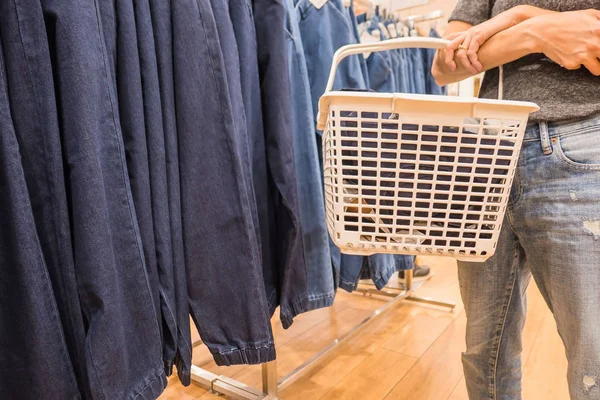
point(473, 57)
point(451, 49)
point(463, 58)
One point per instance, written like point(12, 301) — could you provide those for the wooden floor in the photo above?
point(410, 352)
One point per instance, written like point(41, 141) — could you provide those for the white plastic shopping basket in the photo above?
point(417, 174)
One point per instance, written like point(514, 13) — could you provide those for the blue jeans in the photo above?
point(166, 188)
point(287, 249)
point(33, 111)
point(225, 288)
point(128, 85)
point(551, 232)
point(30, 318)
point(320, 285)
point(114, 291)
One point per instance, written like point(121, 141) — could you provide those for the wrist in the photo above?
point(529, 39)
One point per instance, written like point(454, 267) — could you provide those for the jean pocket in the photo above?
point(581, 150)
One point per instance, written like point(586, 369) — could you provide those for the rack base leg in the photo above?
point(269, 378)
point(226, 386)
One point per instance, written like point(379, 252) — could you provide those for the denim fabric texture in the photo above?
point(242, 21)
point(174, 306)
point(418, 71)
point(162, 25)
point(30, 324)
point(128, 84)
point(288, 248)
point(381, 65)
point(116, 300)
point(323, 31)
point(381, 74)
point(362, 60)
point(403, 73)
point(551, 232)
point(28, 86)
point(311, 203)
point(428, 55)
point(232, 322)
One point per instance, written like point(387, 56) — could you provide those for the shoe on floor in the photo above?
point(420, 273)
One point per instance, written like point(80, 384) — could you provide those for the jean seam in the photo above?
point(242, 349)
point(132, 218)
point(501, 333)
point(231, 148)
point(573, 164)
point(312, 297)
point(55, 209)
point(156, 377)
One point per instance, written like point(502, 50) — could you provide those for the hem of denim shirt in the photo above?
point(383, 280)
point(347, 285)
point(318, 301)
point(249, 355)
point(407, 263)
point(153, 387)
point(288, 312)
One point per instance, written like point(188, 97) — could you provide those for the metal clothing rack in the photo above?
point(271, 385)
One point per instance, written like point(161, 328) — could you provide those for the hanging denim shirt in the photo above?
point(404, 72)
point(381, 65)
point(323, 31)
point(311, 204)
point(418, 70)
point(362, 60)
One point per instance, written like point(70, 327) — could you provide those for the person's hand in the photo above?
point(464, 46)
point(571, 39)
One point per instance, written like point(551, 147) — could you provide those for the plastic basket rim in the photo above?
point(428, 97)
point(330, 98)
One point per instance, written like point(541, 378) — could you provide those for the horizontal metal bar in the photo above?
point(226, 386)
point(432, 302)
point(329, 350)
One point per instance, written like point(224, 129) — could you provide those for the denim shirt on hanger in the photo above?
point(323, 31)
point(311, 202)
point(381, 65)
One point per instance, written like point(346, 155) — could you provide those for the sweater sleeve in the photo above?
point(473, 12)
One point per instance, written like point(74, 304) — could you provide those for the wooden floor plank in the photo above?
point(176, 391)
point(374, 378)
point(421, 327)
point(460, 391)
point(435, 375)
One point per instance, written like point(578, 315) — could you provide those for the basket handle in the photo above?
point(399, 43)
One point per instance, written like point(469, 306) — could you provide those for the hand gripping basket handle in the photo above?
point(400, 43)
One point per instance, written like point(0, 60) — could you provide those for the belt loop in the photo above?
point(545, 138)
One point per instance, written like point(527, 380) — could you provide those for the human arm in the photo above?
point(570, 39)
point(471, 39)
point(499, 49)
